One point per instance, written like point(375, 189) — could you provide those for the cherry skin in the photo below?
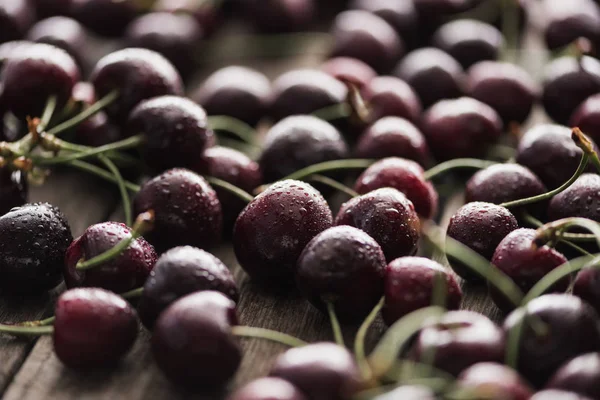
point(587, 117)
point(33, 242)
point(268, 389)
point(237, 92)
point(565, 24)
point(175, 130)
point(208, 15)
point(35, 72)
point(277, 16)
point(469, 41)
point(458, 340)
point(404, 175)
point(408, 393)
point(206, 354)
point(557, 395)
point(410, 283)
point(388, 217)
point(297, 142)
point(433, 74)
point(62, 32)
point(524, 263)
point(271, 232)
point(348, 69)
point(446, 7)
point(586, 286)
point(567, 83)
point(304, 91)
point(104, 17)
point(179, 272)
point(494, 382)
point(571, 329)
point(401, 15)
point(481, 227)
point(460, 128)
point(13, 190)
point(581, 199)
point(580, 375)
point(93, 328)
point(126, 272)
point(187, 210)
point(323, 371)
point(367, 37)
point(389, 96)
point(393, 137)
point(137, 74)
point(16, 16)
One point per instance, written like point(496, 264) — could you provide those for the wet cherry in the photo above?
point(348, 69)
point(581, 199)
point(494, 382)
point(268, 389)
point(587, 117)
point(62, 32)
point(586, 286)
point(401, 15)
point(391, 96)
point(13, 189)
point(580, 375)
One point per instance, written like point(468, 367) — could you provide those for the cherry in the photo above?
point(192, 341)
point(557, 395)
point(481, 227)
point(567, 83)
point(271, 232)
point(458, 340)
point(237, 92)
point(13, 189)
point(93, 328)
point(323, 371)
point(367, 37)
point(429, 8)
point(304, 91)
point(581, 199)
point(236, 168)
point(137, 74)
point(494, 382)
point(16, 16)
point(33, 73)
point(126, 272)
point(586, 286)
point(570, 328)
point(525, 264)
point(276, 16)
point(50, 8)
point(404, 175)
point(459, 128)
point(7, 49)
point(410, 283)
point(104, 17)
point(390, 96)
point(388, 217)
point(393, 137)
point(587, 117)
point(179, 272)
point(434, 75)
point(175, 36)
point(408, 393)
point(565, 24)
point(208, 14)
point(33, 242)
point(268, 389)
point(348, 69)
point(493, 83)
point(187, 210)
point(580, 375)
point(175, 131)
point(469, 41)
point(297, 142)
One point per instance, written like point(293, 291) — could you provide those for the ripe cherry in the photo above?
point(587, 117)
point(586, 287)
point(580, 375)
point(348, 69)
point(581, 199)
point(276, 16)
point(408, 393)
point(494, 382)
point(16, 16)
point(567, 23)
point(208, 15)
point(13, 190)
point(64, 33)
point(445, 7)
point(390, 96)
point(104, 17)
point(557, 395)
point(268, 389)
point(401, 15)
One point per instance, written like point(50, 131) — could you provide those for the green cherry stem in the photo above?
point(359, 342)
point(20, 330)
point(267, 334)
point(240, 129)
point(333, 113)
point(101, 173)
point(241, 194)
point(332, 183)
point(52, 142)
point(555, 229)
point(459, 163)
point(335, 324)
point(566, 238)
point(328, 166)
point(132, 294)
point(41, 322)
point(47, 114)
point(122, 187)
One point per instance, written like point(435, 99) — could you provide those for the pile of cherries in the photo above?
point(412, 93)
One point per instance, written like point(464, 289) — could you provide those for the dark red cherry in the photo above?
point(276, 16)
point(187, 210)
point(137, 74)
point(50, 8)
point(297, 142)
point(580, 375)
point(525, 263)
point(175, 36)
point(304, 92)
point(7, 49)
point(458, 340)
point(192, 341)
point(274, 228)
point(557, 395)
point(121, 274)
point(469, 41)
point(367, 37)
point(570, 328)
point(93, 328)
point(236, 168)
point(404, 175)
point(323, 371)
point(433, 74)
point(568, 81)
point(408, 393)
point(587, 287)
point(459, 128)
point(237, 92)
point(481, 227)
point(388, 96)
point(428, 8)
point(208, 14)
point(175, 130)
point(565, 23)
point(393, 137)
point(388, 217)
point(104, 17)
point(410, 283)
point(179, 272)
point(64, 33)
point(344, 266)
point(587, 117)
point(348, 69)
point(401, 15)
point(494, 83)
point(268, 389)
point(581, 199)
point(494, 382)
point(13, 189)
point(16, 16)
point(33, 73)
point(33, 242)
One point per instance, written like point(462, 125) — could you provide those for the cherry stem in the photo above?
point(565, 237)
point(334, 112)
point(335, 324)
point(132, 294)
point(440, 290)
point(267, 334)
point(59, 144)
point(514, 335)
point(510, 28)
point(585, 144)
point(328, 166)
point(101, 173)
point(234, 126)
point(122, 188)
point(240, 193)
point(333, 184)
point(19, 330)
point(555, 229)
point(47, 114)
point(143, 224)
point(41, 322)
point(458, 163)
point(359, 342)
